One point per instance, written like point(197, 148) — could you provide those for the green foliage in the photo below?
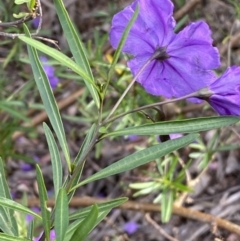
point(86, 225)
point(103, 82)
point(236, 5)
point(61, 221)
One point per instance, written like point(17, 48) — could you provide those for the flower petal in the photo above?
point(194, 42)
point(153, 26)
point(226, 105)
point(228, 83)
point(171, 78)
point(151, 78)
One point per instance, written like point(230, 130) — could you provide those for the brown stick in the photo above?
point(149, 207)
point(157, 227)
point(186, 8)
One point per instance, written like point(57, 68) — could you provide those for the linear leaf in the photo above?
point(123, 40)
point(5, 202)
point(8, 222)
point(86, 225)
point(61, 215)
point(7, 237)
point(76, 46)
point(75, 179)
point(85, 144)
point(140, 158)
point(62, 58)
point(43, 199)
point(30, 230)
point(48, 100)
point(180, 126)
point(55, 159)
point(102, 207)
point(73, 226)
point(4, 105)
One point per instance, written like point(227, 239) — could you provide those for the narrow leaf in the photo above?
point(102, 207)
point(75, 224)
point(62, 58)
point(43, 199)
point(180, 126)
point(74, 180)
point(167, 205)
point(30, 230)
point(48, 100)
point(4, 105)
point(5, 202)
point(123, 40)
point(7, 237)
point(61, 215)
point(140, 158)
point(86, 225)
point(55, 159)
point(8, 222)
point(85, 145)
point(76, 46)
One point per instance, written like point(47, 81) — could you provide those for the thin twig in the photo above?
point(159, 229)
point(17, 22)
point(148, 207)
point(186, 8)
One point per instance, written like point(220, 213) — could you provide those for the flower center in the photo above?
point(161, 53)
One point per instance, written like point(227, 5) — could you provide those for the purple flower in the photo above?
point(130, 227)
point(184, 60)
point(49, 70)
point(30, 217)
point(224, 95)
point(35, 22)
point(26, 167)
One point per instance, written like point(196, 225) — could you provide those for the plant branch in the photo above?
point(130, 85)
point(148, 106)
point(17, 22)
point(148, 207)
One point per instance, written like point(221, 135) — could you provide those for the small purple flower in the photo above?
point(224, 93)
point(131, 227)
point(26, 167)
point(35, 22)
point(30, 217)
point(184, 60)
point(49, 70)
point(133, 138)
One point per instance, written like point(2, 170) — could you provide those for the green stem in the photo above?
point(129, 86)
point(147, 107)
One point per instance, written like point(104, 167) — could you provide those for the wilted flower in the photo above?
point(224, 93)
point(49, 70)
point(131, 227)
point(183, 61)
